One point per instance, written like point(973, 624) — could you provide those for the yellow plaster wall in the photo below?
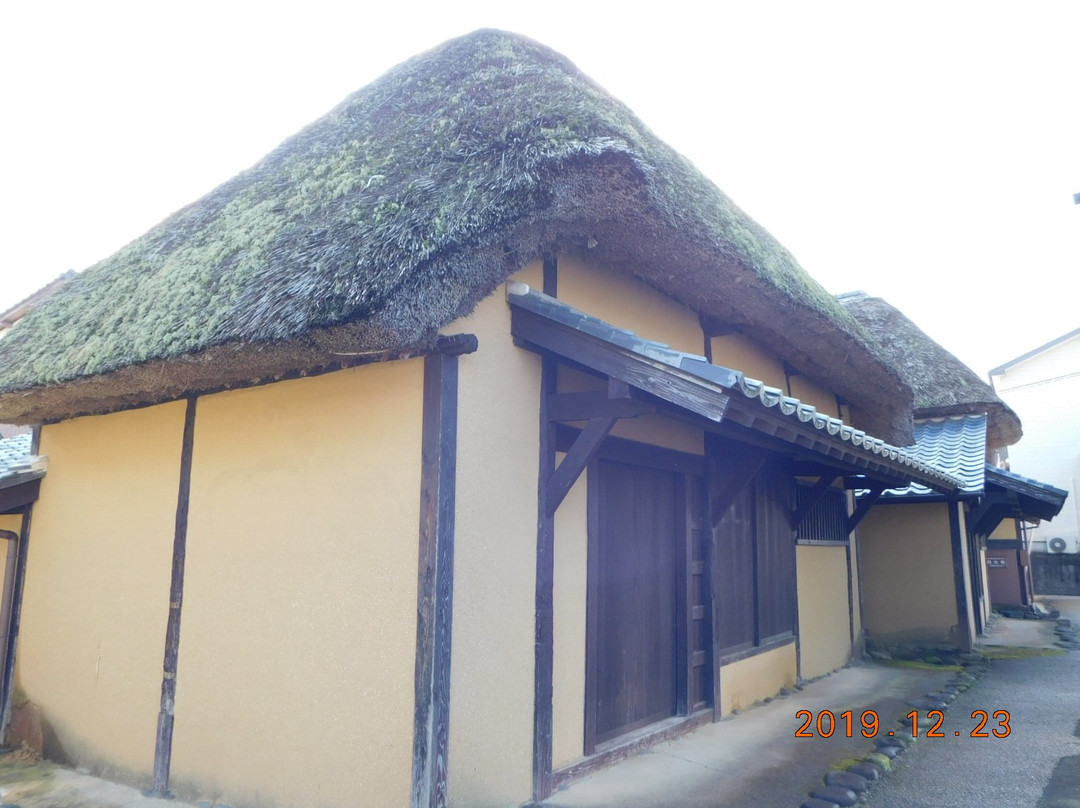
point(491, 695)
point(908, 590)
point(571, 572)
point(97, 588)
point(1006, 529)
point(624, 301)
point(757, 677)
point(297, 654)
point(824, 628)
point(738, 353)
point(810, 393)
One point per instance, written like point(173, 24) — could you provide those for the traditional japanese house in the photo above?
point(925, 565)
point(477, 439)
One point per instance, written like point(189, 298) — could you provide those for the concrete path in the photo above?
point(1038, 764)
point(754, 759)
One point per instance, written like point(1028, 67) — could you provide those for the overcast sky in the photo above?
point(924, 152)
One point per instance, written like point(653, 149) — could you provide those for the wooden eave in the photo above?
point(19, 490)
point(707, 396)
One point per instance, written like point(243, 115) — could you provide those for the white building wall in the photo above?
point(1044, 390)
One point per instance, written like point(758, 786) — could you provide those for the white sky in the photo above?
point(926, 152)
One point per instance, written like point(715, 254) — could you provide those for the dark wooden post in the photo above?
point(544, 659)
point(435, 582)
point(163, 745)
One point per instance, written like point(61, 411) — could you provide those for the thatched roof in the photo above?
point(394, 215)
point(943, 384)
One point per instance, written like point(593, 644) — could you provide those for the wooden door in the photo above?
point(637, 563)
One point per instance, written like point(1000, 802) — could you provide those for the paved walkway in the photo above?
point(1038, 764)
point(755, 759)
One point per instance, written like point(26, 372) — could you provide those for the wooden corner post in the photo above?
point(163, 744)
point(435, 581)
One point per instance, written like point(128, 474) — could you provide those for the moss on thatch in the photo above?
point(943, 385)
point(394, 215)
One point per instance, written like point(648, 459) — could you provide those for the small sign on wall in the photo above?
point(994, 562)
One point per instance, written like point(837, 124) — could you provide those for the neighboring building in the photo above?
point(925, 556)
point(1012, 504)
point(478, 439)
point(1044, 385)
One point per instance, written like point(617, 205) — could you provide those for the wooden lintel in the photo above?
point(819, 490)
point(865, 503)
point(581, 452)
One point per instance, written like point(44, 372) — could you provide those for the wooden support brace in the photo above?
point(865, 503)
point(819, 490)
point(581, 452)
point(740, 469)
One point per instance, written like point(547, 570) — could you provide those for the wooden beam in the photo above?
point(863, 505)
point(992, 509)
point(435, 582)
point(584, 448)
point(15, 497)
point(163, 744)
point(660, 379)
point(740, 467)
point(813, 497)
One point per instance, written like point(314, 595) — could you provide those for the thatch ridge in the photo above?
point(402, 208)
point(943, 385)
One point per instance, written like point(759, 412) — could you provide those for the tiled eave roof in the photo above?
point(20, 476)
point(956, 445)
point(749, 403)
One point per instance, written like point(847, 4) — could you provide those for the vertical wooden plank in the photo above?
point(166, 714)
point(684, 647)
point(435, 582)
point(592, 603)
point(543, 662)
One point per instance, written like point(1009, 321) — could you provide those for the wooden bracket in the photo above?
point(865, 503)
point(579, 455)
point(821, 487)
point(740, 469)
